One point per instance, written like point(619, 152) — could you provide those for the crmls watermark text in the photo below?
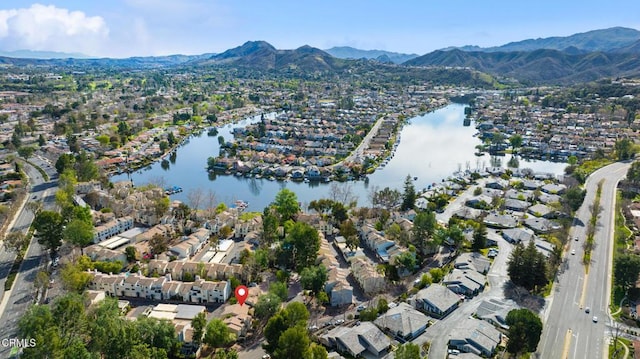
point(18, 343)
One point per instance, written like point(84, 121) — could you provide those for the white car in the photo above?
point(573, 252)
point(595, 319)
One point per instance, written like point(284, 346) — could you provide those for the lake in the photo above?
point(432, 147)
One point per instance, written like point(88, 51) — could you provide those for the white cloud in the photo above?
point(50, 28)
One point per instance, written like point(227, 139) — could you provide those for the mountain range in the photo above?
point(347, 52)
point(588, 56)
point(613, 52)
point(604, 40)
point(263, 56)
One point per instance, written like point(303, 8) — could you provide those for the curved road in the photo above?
point(570, 332)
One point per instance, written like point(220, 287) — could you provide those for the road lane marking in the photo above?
point(567, 344)
point(584, 290)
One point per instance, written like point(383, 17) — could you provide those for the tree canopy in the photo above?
point(313, 278)
point(49, 231)
point(626, 269)
point(68, 329)
point(527, 267)
point(409, 195)
point(302, 245)
point(286, 204)
point(525, 328)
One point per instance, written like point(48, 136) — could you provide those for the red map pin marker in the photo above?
point(241, 294)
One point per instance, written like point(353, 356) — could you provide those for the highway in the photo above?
point(15, 302)
point(570, 332)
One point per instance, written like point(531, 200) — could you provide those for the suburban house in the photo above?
point(517, 235)
point(466, 282)
point(516, 205)
point(112, 228)
point(474, 261)
point(211, 271)
point(363, 340)
point(495, 311)
point(365, 273)
point(541, 225)
point(161, 288)
point(436, 300)
point(475, 336)
point(403, 322)
point(541, 210)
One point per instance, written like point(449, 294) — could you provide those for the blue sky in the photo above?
point(120, 28)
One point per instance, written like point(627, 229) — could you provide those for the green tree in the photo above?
point(626, 269)
point(286, 204)
point(406, 261)
point(314, 278)
point(48, 226)
point(409, 195)
point(39, 323)
point(302, 245)
point(573, 198)
point(280, 290)
point(408, 351)
point(516, 142)
point(436, 274)
point(26, 151)
point(75, 279)
point(267, 305)
point(295, 313)
point(424, 225)
point(64, 162)
point(382, 306)
point(78, 232)
point(131, 253)
point(479, 238)
point(525, 328)
point(225, 354)
point(624, 149)
point(269, 227)
point(633, 175)
point(350, 233)
point(318, 352)
point(339, 212)
point(217, 334)
point(158, 335)
point(86, 168)
point(293, 343)
point(527, 267)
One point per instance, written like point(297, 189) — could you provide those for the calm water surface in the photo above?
point(432, 147)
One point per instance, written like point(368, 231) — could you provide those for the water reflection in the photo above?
point(432, 147)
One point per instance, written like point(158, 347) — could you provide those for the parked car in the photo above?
point(361, 308)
